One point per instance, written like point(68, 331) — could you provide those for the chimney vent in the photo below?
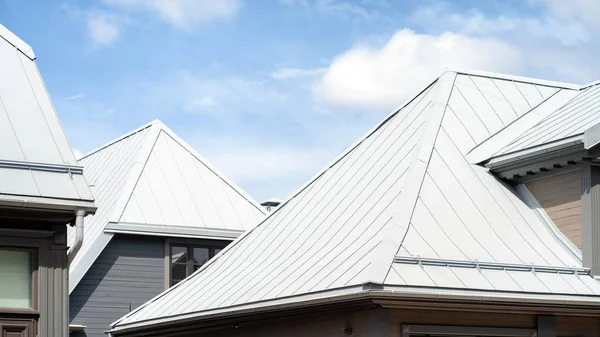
point(271, 204)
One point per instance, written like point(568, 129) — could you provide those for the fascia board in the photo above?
point(172, 231)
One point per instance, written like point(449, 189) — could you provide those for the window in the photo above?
point(463, 331)
point(16, 269)
point(187, 258)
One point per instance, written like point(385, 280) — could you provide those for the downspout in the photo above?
point(79, 214)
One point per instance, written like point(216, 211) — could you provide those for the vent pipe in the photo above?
point(271, 204)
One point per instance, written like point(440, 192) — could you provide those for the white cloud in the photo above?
point(438, 18)
point(102, 28)
point(183, 13)
point(587, 11)
point(345, 8)
point(73, 97)
point(383, 77)
point(288, 73)
point(267, 169)
point(219, 97)
point(348, 9)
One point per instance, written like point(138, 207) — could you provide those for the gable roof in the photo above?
point(403, 209)
point(37, 165)
point(150, 182)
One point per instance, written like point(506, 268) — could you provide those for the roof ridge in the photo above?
point(287, 200)
point(516, 78)
point(14, 40)
point(512, 124)
point(124, 196)
point(208, 165)
point(120, 138)
point(400, 224)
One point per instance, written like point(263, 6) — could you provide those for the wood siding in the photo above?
point(127, 273)
point(560, 196)
point(49, 317)
point(565, 325)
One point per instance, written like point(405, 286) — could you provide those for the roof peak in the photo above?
point(13, 39)
point(516, 78)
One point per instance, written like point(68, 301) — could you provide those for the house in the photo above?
point(42, 190)
point(163, 211)
point(440, 221)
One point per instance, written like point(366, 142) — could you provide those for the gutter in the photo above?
point(369, 291)
point(79, 214)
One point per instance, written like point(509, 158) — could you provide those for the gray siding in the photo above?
point(127, 273)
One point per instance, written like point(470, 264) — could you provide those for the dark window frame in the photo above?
point(414, 330)
point(214, 247)
point(33, 265)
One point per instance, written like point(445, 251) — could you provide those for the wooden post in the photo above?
point(590, 216)
point(546, 326)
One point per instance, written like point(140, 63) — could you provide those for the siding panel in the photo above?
point(129, 271)
point(560, 196)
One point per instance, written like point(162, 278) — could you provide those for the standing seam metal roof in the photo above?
point(37, 165)
point(150, 182)
point(404, 191)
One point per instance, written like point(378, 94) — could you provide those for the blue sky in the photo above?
point(271, 91)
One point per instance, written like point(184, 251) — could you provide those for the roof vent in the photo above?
point(271, 204)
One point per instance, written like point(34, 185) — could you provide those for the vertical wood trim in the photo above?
point(590, 202)
point(546, 326)
point(167, 272)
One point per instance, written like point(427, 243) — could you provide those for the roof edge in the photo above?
point(86, 258)
point(208, 165)
point(172, 231)
point(293, 195)
point(521, 79)
point(490, 147)
point(116, 140)
point(14, 40)
point(369, 292)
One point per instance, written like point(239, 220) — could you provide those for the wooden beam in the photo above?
point(590, 216)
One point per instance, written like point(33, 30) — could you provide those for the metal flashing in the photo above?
point(16, 42)
point(172, 231)
point(491, 265)
point(70, 169)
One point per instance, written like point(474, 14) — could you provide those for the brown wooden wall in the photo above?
point(560, 196)
point(566, 326)
point(323, 325)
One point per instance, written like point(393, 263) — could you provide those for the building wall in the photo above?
point(50, 288)
point(560, 196)
point(129, 272)
point(566, 326)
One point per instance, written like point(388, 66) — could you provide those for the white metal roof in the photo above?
point(150, 182)
point(401, 197)
point(570, 120)
point(37, 165)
